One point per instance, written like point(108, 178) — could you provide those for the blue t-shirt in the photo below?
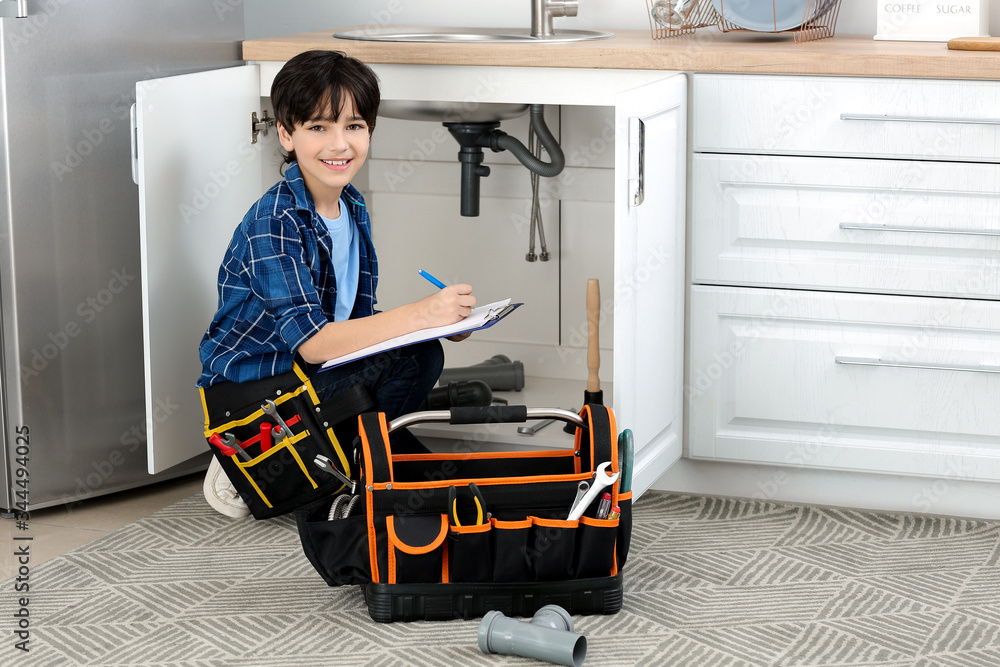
point(277, 286)
point(346, 265)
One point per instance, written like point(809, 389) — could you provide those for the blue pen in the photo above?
point(437, 283)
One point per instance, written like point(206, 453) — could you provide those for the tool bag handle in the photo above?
point(596, 437)
point(493, 414)
point(601, 429)
point(376, 458)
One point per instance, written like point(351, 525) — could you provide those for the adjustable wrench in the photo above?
point(601, 480)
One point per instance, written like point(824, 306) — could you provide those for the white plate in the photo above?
point(763, 16)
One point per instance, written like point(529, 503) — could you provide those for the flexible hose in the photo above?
point(498, 140)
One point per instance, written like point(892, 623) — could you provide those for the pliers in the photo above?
point(477, 497)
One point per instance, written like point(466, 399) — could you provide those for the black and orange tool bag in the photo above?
point(267, 434)
point(454, 535)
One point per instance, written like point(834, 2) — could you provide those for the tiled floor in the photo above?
point(56, 530)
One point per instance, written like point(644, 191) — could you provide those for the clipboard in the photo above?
point(481, 317)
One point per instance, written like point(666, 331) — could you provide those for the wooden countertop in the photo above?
point(705, 51)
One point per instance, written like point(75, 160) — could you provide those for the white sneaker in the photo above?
point(221, 494)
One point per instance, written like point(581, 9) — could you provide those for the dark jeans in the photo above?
point(399, 379)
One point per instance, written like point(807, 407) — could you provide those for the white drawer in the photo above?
point(891, 226)
point(792, 378)
point(809, 115)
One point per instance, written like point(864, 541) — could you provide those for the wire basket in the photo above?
point(670, 18)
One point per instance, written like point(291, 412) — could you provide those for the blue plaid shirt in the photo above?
point(277, 286)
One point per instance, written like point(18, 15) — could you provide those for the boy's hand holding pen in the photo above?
point(448, 305)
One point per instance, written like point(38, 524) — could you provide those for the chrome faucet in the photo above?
point(542, 12)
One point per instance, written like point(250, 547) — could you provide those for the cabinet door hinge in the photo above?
point(259, 125)
point(636, 161)
point(13, 9)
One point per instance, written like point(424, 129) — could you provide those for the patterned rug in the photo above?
point(709, 581)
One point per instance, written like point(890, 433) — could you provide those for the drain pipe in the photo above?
point(547, 636)
point(474, 137)
point(470, 155)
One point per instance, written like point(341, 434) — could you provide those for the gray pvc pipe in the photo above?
point(548, 636)
point(499, 372)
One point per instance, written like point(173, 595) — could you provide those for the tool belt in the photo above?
point(441, 536)
point(266, 434)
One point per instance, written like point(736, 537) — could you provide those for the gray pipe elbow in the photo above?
point(548, 636)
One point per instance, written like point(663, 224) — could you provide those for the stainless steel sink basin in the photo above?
point(466, 35)
point(450, 112)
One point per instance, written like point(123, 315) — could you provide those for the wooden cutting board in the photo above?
point(975, 44)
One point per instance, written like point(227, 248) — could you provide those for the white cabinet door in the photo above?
point(887, 226)
point(198, 173)
point(921, 119)
point(650, 166)
point(867, 382)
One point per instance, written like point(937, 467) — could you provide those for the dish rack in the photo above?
point(702, 14)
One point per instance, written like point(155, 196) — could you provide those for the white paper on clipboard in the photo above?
point(481, 317)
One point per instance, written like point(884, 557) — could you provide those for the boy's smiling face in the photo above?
point(330, 152)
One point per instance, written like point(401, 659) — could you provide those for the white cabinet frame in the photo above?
point(176, 153)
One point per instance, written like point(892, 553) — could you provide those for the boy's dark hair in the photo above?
point(314, 81)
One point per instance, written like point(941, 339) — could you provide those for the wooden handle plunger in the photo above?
point(593, 393)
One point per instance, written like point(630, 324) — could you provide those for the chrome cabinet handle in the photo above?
point(863, 361)
point(637, 161)
point(14, 9)
point(920, 230)
point(919, 119)
point(133, 133)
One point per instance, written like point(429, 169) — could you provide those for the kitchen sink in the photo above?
point(450, 112)
point(466, 35)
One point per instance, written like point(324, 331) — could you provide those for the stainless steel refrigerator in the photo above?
point(70, 279)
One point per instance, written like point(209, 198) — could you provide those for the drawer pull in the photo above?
point(919, 119)
point(862, 361)
point(920, 230)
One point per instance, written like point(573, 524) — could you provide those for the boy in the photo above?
point(300, 273)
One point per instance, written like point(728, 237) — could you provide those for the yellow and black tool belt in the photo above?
point(437, 536)
point(267, 435)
